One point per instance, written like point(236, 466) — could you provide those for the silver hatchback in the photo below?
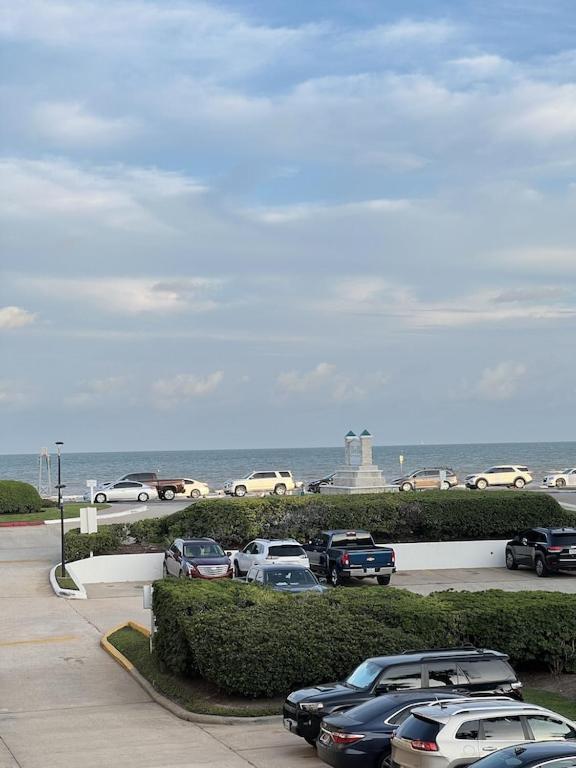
point(450, 734)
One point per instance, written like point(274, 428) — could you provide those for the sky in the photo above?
point(263, 223)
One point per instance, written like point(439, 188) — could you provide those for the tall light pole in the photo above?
point(59, 445)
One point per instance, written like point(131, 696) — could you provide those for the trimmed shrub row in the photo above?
point(106, 541)
point(256, 642)
point(430, 516)
point(18, 498)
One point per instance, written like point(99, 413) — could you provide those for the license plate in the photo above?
point(290, 725)
point(370, 570)
point(572, 551)
point(324, 737)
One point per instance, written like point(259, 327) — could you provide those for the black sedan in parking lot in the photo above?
point(360, 737)
point(314, 485)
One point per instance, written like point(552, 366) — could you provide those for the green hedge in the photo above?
point(430, 516)
point(19, 498)
point(78, 546)
point(256, 642)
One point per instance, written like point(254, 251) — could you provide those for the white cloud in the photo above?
point(539, 113)
point(70, 123)
point(130, 296)
point(169, 392)
point(94, 391)
point(15, 317)
point(117, 197)
point(13, 394)
point(500, 382)
point(541, 259)
point(289, 213)
point(404, 32)
point(326, 380)
point(483, 66)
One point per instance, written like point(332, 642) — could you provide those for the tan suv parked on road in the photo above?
point(274, 481)
point(428, 478)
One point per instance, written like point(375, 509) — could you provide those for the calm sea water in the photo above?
point(215, 467)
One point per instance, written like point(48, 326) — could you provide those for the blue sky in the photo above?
point(260, 223)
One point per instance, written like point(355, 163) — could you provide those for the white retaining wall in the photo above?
point(435, 555)
point(409, 557)
point(110, 568)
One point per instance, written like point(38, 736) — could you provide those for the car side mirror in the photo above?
point(383, 688)
point(524, 542)
point(322, 580)
point(228, 554)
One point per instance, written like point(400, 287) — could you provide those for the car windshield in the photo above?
point(564, 539)
point(365, 675)
point(203, 549)
point(290, 577)
point(348, 541)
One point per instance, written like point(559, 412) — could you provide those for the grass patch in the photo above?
point(65, 582)
point(554, 701)
point(193, 695)
point(51, 513)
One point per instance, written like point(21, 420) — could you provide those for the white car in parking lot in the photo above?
point(510, 475)
point(451, 734)
point(123, 490)
point(564, 479)
point(269, 552)
point(194, 488)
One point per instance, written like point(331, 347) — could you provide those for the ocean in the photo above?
point(216, 466)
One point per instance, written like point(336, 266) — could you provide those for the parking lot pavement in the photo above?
point(478, 579)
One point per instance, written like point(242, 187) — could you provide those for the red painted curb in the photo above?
point(21, 523)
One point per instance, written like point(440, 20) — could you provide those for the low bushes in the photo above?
point(430, 516)
point(106, 541)
point(18, 498)
point(255, 642)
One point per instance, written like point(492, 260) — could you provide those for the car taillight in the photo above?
point(424, 746)
point(346, 738)
point(345, 559)
point(393, 557)
point(554, 549)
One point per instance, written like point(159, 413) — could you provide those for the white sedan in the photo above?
point(124, 490)
point(194, 488)
point(564, 479)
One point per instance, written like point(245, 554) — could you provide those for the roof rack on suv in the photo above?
point(443, 703)
point(486, 707)
point(465, 647)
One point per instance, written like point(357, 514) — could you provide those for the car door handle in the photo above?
point(489, 749)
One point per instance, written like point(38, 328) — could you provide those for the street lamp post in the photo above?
point(59, 444)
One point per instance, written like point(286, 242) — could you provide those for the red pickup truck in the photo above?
point(167, 489)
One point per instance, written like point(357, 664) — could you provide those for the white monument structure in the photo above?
point(358, 474)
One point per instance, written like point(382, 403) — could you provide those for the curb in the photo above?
point(22, 523)
point(74, 594)
point(105, 516)
point(163, 701)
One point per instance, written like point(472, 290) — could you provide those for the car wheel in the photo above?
point(541, 569)
point(383, 580)
point(519, 482)
point(181, 574)
point(280, 490)
point(481, 484)
point(310, 741)
point(560, 483)
point(169, 494)
point(335, 578)
point(100, 498)
point(195, 494)
point(165, 573)
point(406, 487)
point(237, 574)
point(143, 497)
point(511, 563)
point(240, 490)
point(386, 762)
point(445, 486)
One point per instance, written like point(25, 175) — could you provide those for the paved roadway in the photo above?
point(64, 702)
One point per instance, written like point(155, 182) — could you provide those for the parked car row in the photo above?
point(438, 708)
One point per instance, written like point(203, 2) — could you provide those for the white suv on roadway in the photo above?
point(513, 476)
point(276, 481)
point(270, 552)
point(448, 733)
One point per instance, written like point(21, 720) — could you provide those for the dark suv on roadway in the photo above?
point(546, 550)
point(465, 670)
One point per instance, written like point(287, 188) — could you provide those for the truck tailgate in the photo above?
point(371, 558)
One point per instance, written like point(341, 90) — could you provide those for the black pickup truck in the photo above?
point(341, 554)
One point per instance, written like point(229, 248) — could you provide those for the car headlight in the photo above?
point(313, 706)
